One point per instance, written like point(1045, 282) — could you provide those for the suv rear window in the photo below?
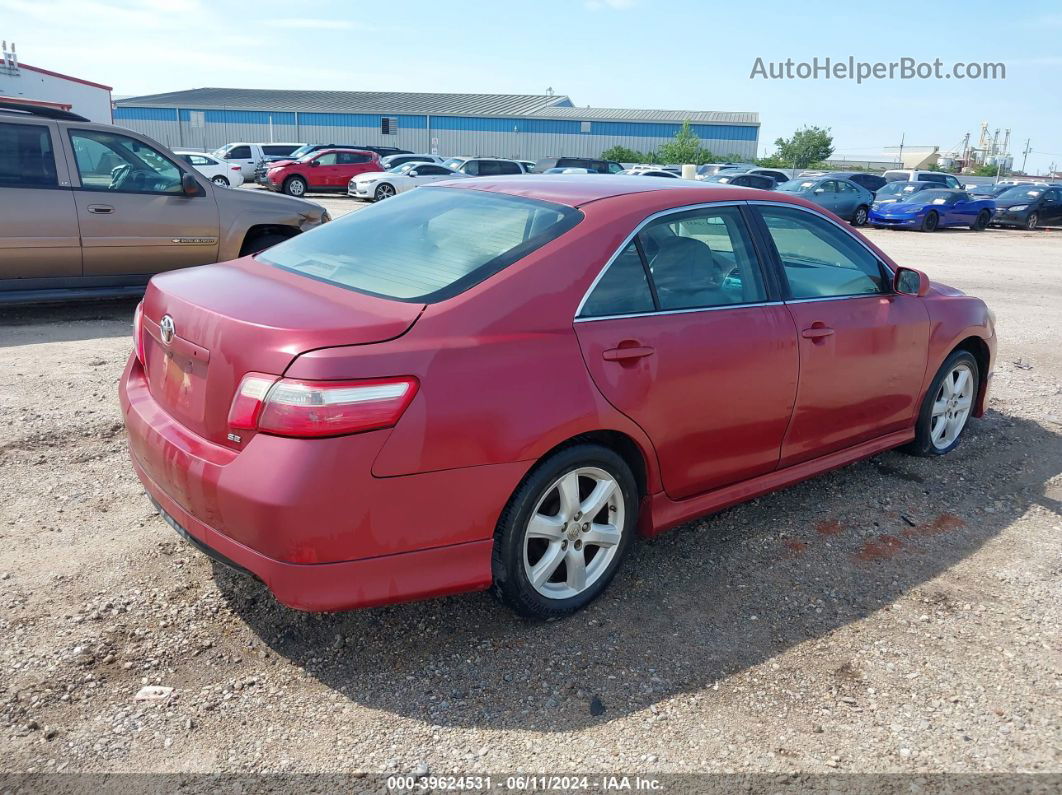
point(425, 245)
point(26, 157)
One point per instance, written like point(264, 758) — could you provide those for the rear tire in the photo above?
point(930, 222)
point(859, 217)
point(220, 180)
point(981, 224)
point(946, 407)
point(550, 558)
point(295, 186)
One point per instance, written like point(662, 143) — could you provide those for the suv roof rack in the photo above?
point(40, 110)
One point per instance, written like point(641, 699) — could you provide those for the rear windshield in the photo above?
point(425, 245)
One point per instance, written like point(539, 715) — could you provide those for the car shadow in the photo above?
point(66, 322)
point(689, 608)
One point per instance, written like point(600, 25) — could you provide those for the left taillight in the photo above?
point(138, 333)
point(290, 407)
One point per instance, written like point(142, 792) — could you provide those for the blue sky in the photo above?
point(669, 54)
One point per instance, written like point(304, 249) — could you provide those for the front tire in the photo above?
point(947, 406)
point(384, 191)
point(859, 217)
point(1032, 221)
point(981, 223)
point(930, 222)
point(564, 533)
point(295, 186)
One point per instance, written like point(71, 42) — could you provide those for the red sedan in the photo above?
point(328, 170)
point(499, 382)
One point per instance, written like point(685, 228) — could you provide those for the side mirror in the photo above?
point(909, 281)
point(820, 190)
point(314, 163)
point(413, 173)
point(189, 185)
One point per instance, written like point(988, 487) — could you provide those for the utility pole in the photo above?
point(1025, 155)
point(902, 137)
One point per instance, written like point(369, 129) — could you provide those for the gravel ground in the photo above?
point(898, 615)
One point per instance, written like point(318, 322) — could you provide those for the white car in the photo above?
point(217, 171)
point(247, 155)
point(391, 161)
point(377, 185)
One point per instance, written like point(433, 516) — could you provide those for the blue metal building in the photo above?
point(502, 125)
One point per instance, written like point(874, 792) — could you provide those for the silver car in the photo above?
point(840, 196)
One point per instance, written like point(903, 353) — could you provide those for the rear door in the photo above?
point(1051, 207)
point(680, 334)
point(863, 348)
point(350, 164)
point(38, 219)
point(133, 214)
point(244, 157)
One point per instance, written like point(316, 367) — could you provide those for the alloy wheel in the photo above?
point(220, 180)
point(296, 187)
point(1032, 221)
point(860, 216)
point(951, 406)
point(574, 533)
point(385, 191)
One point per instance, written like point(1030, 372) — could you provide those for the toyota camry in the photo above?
point(502, 382)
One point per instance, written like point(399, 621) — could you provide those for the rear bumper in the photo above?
point(328, 587)
point(308, 517)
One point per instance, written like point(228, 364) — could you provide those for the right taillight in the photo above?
point(289, 407)
point(138, 333)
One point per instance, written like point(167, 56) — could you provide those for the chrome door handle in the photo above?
point(100, 209)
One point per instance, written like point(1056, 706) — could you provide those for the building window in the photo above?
point(389, 125)
point(584, 126)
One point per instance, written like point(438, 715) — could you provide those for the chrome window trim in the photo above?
point(709, 205)
point(627, 241)
point(678, 311)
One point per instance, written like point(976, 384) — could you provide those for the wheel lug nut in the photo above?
point(564, 544)
point(578, 544)
point(586, 526)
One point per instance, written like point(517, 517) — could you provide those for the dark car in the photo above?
point(1029, 206)
point(872, 182)
point(776, 175)
point(748, 180)
point(592, 165)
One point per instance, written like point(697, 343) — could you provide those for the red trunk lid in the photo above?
point(244, 316)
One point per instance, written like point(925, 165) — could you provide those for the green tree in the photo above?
point(806, 147)
point(622, 154)
point(685, 147)
point(989, 170)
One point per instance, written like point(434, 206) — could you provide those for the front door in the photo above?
point(38, 221)
point(680, 336)
point(324, 171)
point(863, 347)
point(133, 213)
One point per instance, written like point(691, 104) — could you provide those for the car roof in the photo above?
point(575, 190)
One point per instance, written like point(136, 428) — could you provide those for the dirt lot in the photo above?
point(898, 615)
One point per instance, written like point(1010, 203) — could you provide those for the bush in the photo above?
point(622, 154)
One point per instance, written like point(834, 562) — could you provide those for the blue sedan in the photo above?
point(929, 210)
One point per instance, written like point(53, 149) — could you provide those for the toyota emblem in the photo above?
point(166, 329)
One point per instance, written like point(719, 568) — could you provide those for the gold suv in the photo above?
point(93, 210)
